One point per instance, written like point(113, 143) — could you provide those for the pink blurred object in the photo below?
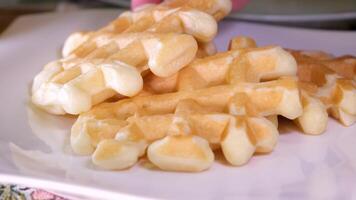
point(239, 4)
point(39, 194)
point(137, 3)
point(236, 4)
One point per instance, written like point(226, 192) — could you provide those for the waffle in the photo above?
point(229, 67)
point(79, 87)
point(80, 45)
point(148, 119)
point(193, 18)
point(90, 71)
point(316, 95)
point(336, 92)
point(344, 66)
point(218, 112)
point(229, 100)
point(167, 136)
point(177, 100)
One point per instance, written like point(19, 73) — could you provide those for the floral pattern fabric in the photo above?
point(15, 192)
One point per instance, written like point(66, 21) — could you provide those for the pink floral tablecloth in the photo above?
point(15, 192)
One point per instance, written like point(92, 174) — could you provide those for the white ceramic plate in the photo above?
point(34, 145)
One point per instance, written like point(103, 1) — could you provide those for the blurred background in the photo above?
point(319, 14)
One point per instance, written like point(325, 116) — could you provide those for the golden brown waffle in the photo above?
point(219, 103)
point(314, 67)
point(337, 92)
point(149, 119)
point(344, 66)
point(188, 111)
point(97, 65)
point(314, 117)
point(183, 100)
point(266, 63)
point(91, 81)
point(171, 16)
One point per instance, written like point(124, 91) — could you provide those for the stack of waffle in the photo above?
point(150, 84)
